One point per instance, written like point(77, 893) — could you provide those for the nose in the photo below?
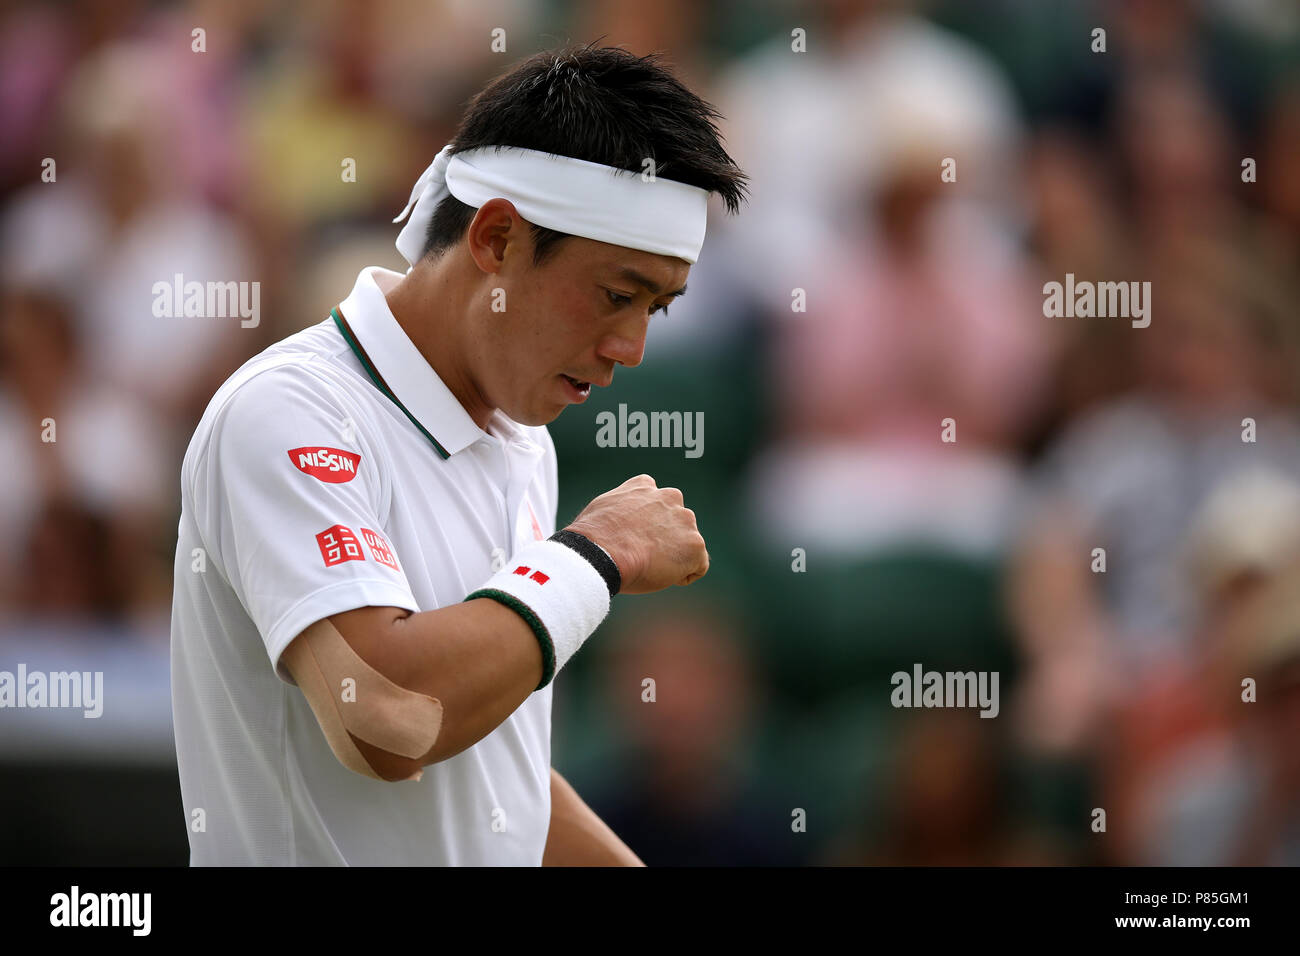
point(625, 345)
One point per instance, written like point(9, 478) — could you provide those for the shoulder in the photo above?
point(273, 394)
point(278, 390)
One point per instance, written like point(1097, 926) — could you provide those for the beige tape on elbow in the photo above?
point(374, 709)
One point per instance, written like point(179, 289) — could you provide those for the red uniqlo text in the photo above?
point(379, 548)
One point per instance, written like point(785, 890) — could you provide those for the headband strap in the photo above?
point(558, 192)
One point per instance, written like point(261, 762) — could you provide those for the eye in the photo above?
point(619, 300)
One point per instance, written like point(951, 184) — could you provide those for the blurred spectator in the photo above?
point(40, 45)
point(317, 105)
point(65, 437)
point(1077, 228)
point(920, 306)
point(948, 802)
point(1128, 478)
point(1176, 149)
point(874, 90)
point(117, 221)
point(1233, 798)
point(70, 571)
point(679, 793)
point(1243, 537)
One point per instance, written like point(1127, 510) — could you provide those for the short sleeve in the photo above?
point(290, 499)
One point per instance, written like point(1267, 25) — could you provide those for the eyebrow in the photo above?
point(627, 272)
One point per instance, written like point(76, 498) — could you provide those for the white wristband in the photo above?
point(558, 592)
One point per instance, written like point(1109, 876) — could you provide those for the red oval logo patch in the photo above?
point(333, 465)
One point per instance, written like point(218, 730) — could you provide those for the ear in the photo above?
point(496, 235)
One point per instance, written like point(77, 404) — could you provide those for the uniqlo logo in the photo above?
point(339, 544)
point(379, 548)
point(537, 576)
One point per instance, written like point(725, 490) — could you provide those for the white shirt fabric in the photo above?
point(306, 491)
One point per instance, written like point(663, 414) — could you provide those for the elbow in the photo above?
point(374, 726)
point(391, 767)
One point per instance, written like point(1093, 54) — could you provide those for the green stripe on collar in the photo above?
point(375, 377)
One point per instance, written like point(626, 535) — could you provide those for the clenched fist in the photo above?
point(649, 532)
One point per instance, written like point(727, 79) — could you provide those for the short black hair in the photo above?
point(599, 104)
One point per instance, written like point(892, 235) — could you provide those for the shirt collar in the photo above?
point(402, 372)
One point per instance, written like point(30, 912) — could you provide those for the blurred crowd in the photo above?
point(906, 461)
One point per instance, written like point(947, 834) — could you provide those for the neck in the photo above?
point(430, 303)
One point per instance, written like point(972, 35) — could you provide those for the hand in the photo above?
point(649, 532)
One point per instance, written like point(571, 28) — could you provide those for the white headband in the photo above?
point(558, 192)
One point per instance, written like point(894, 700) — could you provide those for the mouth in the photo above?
point(577, 389)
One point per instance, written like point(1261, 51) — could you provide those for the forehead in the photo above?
point(592, 256)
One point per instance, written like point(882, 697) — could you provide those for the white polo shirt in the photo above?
point(334, 471)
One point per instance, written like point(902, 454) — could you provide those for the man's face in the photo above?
point(579, 314)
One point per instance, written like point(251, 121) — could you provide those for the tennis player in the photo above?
point(371, 598)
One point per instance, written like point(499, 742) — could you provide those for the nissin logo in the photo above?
point(328, 464)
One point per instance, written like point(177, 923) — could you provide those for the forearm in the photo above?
point(577, 836)
point(479, 658)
